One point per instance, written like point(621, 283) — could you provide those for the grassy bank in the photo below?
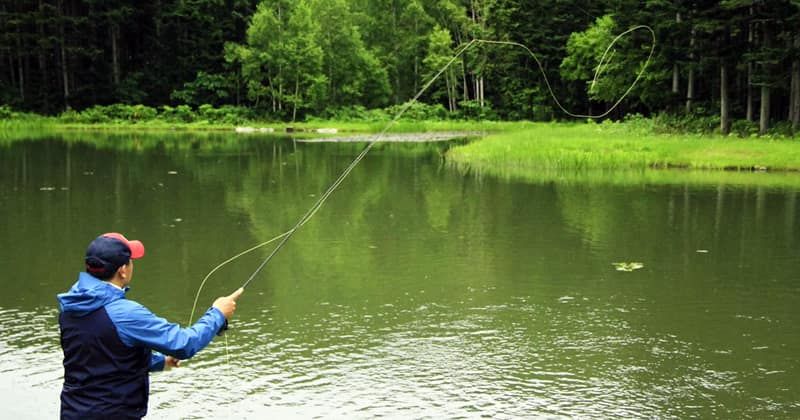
point(620, 147)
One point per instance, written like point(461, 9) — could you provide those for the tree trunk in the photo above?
point(690, 80)
point(749, 88)
point(476, 91)
point(482, 91)
point(11, 73)
point(21, 70)
point(416, 74)
point(724, 104)
point(749, 114)
point(416, 58)
point(43, 85)
point(63, 51)
point(675, 70)
point(675, 78)
point(114, 32)
point(763, 121)
point(794, 108)
point(448, 85)
point(464, 78)
point(296, 96)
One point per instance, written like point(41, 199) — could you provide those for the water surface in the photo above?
point(417, 291)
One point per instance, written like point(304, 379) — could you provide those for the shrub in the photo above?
point(6, 112)
point(180, 113)
point(472, 110)
point(110, 113)
point(744, 128)
point(418, 111)
point(638, 123)
point(142, 113)
point(352, 113)
point(93, 115)
point(227, 114)
point(692, 123)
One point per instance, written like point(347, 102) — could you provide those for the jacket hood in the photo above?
point(88, 294)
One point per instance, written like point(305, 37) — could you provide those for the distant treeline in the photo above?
point(730, 59)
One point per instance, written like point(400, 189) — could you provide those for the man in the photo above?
point(111, 343)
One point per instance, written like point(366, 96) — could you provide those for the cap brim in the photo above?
point(137, 249)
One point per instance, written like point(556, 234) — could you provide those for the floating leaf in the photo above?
point(627, 266)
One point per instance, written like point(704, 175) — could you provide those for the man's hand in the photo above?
point(171, 362)
point(227, 304)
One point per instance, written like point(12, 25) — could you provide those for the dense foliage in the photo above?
point(733, 59)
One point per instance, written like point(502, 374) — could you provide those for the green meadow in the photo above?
point(619, 146)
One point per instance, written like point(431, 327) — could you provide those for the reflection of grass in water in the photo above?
point(398, 149)
point(613, 146)
point(161, 127)
point(204, 141)
point(790, 180)
point(20, 129)
point(129, 138)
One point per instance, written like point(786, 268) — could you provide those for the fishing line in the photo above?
point(284, 237)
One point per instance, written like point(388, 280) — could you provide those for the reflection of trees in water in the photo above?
point(391, 218)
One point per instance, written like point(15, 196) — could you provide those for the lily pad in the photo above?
point(627, 266)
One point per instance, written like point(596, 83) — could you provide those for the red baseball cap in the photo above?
point(136, 247)
point(110, 251)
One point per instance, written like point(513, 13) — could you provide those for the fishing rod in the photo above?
point(284, 237)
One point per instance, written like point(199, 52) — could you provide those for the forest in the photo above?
point(731, 61)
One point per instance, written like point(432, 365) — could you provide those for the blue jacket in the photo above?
point(108, 342)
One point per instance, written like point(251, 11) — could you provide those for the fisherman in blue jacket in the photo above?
point(111, 343)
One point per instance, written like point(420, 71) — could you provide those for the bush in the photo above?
point(70, 116)
point(6, 113)
point(93, 115)
point(180, 113)
point(142, 113)
point(352, 113)
point(418, 111)
point(744, 128)
point(472, 110)
point(111, 113)
point(122, 112)
point(693, 123)
point(638, 123)
point(226, 114)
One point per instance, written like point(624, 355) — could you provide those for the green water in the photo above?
point(418, 290)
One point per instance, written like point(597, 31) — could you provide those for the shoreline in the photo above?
point(501, 147)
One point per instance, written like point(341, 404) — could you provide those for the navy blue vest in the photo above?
point(103, 378)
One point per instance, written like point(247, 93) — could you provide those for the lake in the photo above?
point(418, 290)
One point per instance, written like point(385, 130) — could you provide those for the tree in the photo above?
point(354, 74)
point(439, 55)
point(610, 70)
point(304, 58)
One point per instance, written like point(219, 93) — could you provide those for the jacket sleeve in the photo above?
point(157, 361)
point(137, 326)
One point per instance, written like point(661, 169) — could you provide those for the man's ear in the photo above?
point(121, 270)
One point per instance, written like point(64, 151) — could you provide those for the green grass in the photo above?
point(618, 147)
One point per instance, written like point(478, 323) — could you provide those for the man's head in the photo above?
point(110, 254)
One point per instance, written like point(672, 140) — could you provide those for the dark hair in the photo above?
point(105, 256)
point(101, 269)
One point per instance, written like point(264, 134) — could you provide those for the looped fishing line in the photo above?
point(284, 237)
